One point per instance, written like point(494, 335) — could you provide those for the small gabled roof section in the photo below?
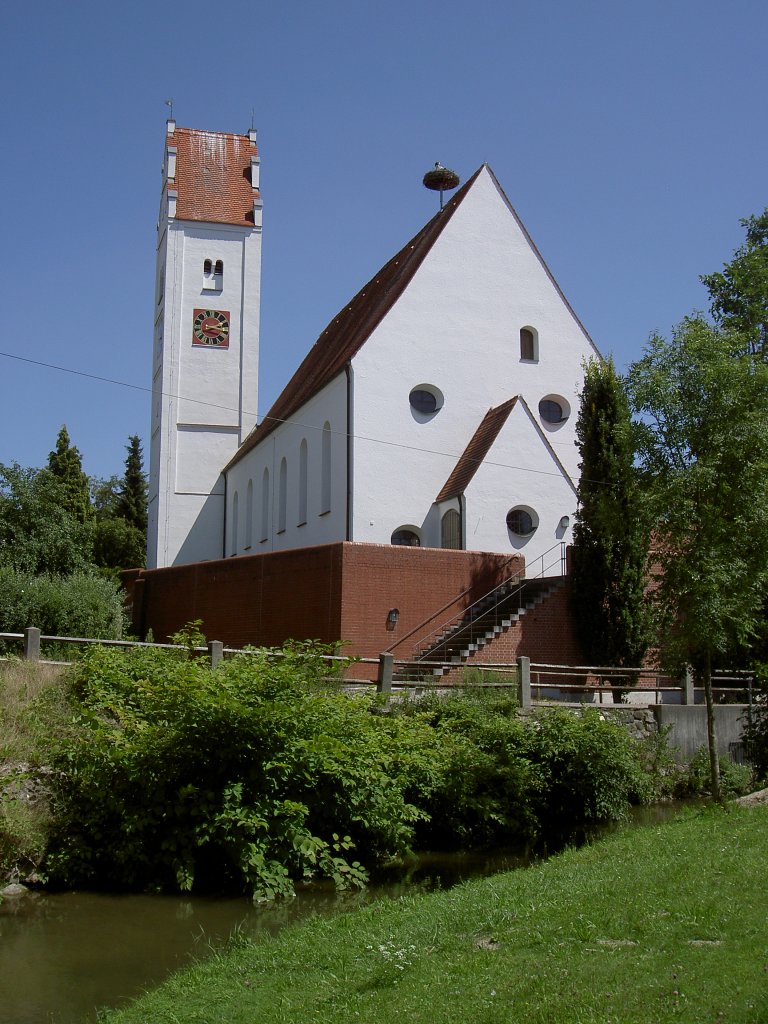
point(481, 443)
point(350, 329)
point(213, 176)
point(477, 449)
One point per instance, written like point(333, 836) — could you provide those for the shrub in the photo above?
point(168, 774)
point(756, 730)
point(590, 770)
point(735, 779)
point(82, 604)
point(487, 784)
point(255, 774)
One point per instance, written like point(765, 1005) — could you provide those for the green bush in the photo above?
point(254, 774)
point(82, 604)
point(590, 770)
point(756, 730)
point(263, 772)
point(487, 788)
point(735, 779)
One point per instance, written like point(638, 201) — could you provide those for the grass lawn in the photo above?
point(667, 923)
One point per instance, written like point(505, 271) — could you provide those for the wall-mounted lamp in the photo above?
point(565, 522)
point(392, 616)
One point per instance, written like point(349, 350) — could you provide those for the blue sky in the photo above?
point(631, 138)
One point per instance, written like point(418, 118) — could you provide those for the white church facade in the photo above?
point(437, 409)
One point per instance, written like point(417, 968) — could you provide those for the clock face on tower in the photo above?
point(210, 328)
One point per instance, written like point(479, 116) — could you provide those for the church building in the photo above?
point(437, 409)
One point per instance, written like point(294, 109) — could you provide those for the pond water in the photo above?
point(63, 955)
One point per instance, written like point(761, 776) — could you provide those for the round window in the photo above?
point(423, 401)
point(426, 399)
point(521, 522)
point(554, 410)
point(551, 411)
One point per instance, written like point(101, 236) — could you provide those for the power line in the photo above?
point(262, 419)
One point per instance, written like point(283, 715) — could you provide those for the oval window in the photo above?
point(426, 399)
point(521, 522)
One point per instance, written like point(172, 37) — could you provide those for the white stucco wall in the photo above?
point(456, 327)
point(204, 399)
point(519, 472)
point(321, 525)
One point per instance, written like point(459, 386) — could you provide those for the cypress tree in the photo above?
point(66, 465)
point(610, 541)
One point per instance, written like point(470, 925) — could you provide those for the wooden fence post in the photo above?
point(386, 665)
point(32, 644)
point(524, 682)
point(215, 652)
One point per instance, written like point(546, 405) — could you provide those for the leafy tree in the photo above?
point(66, 465)
point(703, 442)
point(739, 293)
point(38, 531)
point(104, 496)
point(610, 542)
point(118, 545)
point(132, 498)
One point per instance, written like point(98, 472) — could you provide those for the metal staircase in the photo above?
point(459, 640)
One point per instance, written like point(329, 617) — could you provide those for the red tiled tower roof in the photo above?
point(213, 176)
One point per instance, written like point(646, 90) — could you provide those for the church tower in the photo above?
point(206, 343)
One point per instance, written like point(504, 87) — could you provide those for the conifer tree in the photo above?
point(66, 465)
point(610, 542)
point(132, 499)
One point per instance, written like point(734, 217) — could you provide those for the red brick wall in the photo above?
point(546, 634)
point(332, 592)
point(254, 599)
point(419, 582)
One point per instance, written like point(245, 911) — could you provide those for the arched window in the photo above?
point(249, 515)
point(529, 344)
point(450, 530)
point(302, 482)
point(235, 525)
point(265, 506)
point(282, 496)
point(406, 537)
point(325, 471)
point(213, 275)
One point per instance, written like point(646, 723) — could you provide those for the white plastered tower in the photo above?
point(206, 336)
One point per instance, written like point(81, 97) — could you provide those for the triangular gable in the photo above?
point(482, 443)
point(352, 327)
point(542, 261)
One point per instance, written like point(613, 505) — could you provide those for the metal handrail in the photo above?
point(439, 611)
point(419, 654)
